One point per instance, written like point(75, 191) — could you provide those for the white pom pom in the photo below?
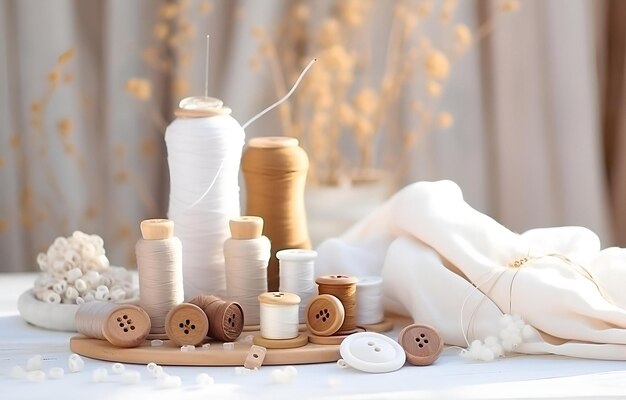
point(170, 382)
point(204, 379)
point(56, 373)
point(507, 344)
point(486, 354)
point(99, 375)
point(34, 363)
point(17, 372)
point(491, 340)
point(75, 363)
point(506, 320)
point(497, 350)
point(528, 332)
point(118, 368)
point(131, 377)
point(36, 376)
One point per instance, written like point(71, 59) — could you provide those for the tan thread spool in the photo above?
point(344, 288)
point(226, 318)
point(122, 325)
point(275, 170)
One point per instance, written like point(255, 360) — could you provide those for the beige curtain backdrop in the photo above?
point(77, 151)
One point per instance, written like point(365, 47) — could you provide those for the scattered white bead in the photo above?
point(131, 377)
point(99, 375)
point(341, 363)
point(151, 367)
point(282, 377)
point(118, 368)
point(206, 346)
point(204, 379)
point(17, 372)
point(56, 373)
point(249, 339)
point(170, 382)
point(36, 376)
point(229, 346)
point(156, 343)
point(188, 347)
point(291, 370)
point(159, 372)
point(245, 371)
point(75, 363)
point(34, 363)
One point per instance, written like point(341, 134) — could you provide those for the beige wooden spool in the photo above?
point(157, 229)
point(246, 227)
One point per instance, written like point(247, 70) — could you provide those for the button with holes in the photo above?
point(186, 324)
point(372, 352)
point(324, 315)
point(422, 344)
point(127, 326)
point(255, 357)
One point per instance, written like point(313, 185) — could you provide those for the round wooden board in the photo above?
point(385, 326)
point(215, 355)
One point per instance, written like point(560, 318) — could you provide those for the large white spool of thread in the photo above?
point(247, 253)
point(279, 315)
point(297, 275)
point(369, 300)
point(160, 268)
point(203, 157)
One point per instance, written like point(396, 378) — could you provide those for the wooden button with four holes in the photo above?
point(126, 326)
point(421, 343)
point(186, 324)
point(325, 315)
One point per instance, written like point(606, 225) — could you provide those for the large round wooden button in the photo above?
point(421, 343)
point(186, 324)
point(127, 326)
point(324, 315)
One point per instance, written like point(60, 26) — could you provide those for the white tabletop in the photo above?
point(450, 377)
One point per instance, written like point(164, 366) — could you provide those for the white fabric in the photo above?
point(428, 225)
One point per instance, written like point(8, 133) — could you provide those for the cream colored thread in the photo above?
point(298, 276)
point(160, 278)
point(91, 318)
point(369, 300)
point(279, 321)
point(246, 273)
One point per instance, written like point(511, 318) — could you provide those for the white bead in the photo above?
point(249, 339)
point(88, 250)
point(92, 278)
point(102, 288)
point(36, 376)
point(71, 256)
point(151, 367)
point(291, 370)
point(204, 379)
point(279, 376)
point(118, 368)
point(188, 347)
point(71, 293)
point(80, 285)
point(73, 274)
point(156, 343)
point(206, 346)
point(118, 294)
point(60, 242)
point(56, 373)
point(89, 297)
point(341, 363)
point(131, 377)
point(51, 297)
point(99, 375)
point(170, 382)
point(34, 363)
point(17, 372)
point(159, 373)
point(59, 287)
point(42, 261)
point(75, 363)
point(102, 296)
point(228, 346)
point(96, 240)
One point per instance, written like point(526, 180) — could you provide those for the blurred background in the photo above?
point(520, 102)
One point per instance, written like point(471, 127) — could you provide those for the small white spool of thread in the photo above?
point(247, 254)
point(279, 315)
point(369, 300)
point(160, 267)
point(297, 275)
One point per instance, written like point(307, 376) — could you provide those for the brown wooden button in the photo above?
point(421, 343)
point(324, 315)
point(255, 357)
point(127, 326)
point(186, 324)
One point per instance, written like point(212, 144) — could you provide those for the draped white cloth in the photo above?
point(448, 265)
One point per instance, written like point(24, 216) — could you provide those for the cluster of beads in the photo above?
point(34, 369)
point(75, 270)
point(513, 331)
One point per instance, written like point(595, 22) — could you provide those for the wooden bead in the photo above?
point(298, 341)
point(157, 229)
point(246, 227)
point(186, 324)
point(255, 357)
point(421, 343)
point(127, 326)
point(325, 315)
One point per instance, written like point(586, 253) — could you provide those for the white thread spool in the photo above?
point(279, 315)
point(246, 255)
point(297, 275)
point(159, 263)
point(369, 300)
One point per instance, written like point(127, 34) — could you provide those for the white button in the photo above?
point(372, 352)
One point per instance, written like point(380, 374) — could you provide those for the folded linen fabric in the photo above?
point(448, 265)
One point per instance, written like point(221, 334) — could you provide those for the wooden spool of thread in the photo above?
point(344, 288)
point(186, 324)
point(275, 170)
point(122, 325)
point(159, 263)
point(226, 318)
point(279, 321)
point(247, 254)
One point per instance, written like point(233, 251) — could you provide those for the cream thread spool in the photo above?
point(297, 275)
point(369, 300)
point(344, 288)
point(159, 263)
point(279, 315)
point(247, 253)
point(122, 325)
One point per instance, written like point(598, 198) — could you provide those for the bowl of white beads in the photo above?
point(74, 270)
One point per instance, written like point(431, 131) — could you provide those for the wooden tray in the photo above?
point(215, 355)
